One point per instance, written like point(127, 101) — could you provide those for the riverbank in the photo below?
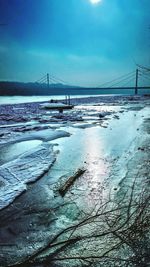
point(107, 136)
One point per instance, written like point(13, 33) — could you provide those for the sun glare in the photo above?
point(95, 1)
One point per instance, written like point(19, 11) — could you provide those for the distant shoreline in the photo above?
point(6, 100)
point(38, 89)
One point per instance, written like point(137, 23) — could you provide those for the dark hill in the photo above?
point(18, 88)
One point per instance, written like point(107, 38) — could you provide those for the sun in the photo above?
point(95, 1)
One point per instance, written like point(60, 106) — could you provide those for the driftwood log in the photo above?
point(64, 188)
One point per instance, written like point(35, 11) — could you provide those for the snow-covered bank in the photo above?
point(25, 169)
point(108, 142)
point(25, 112)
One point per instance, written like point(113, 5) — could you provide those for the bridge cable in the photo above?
point(116, 79)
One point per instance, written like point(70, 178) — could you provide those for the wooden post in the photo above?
point(136, 82)
point(48, 80)
point(66, 100)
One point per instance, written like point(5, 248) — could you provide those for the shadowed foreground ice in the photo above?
point(27, 168)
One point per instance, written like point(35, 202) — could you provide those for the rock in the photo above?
point(116, 117)
point(141, 148)
point(103, 114)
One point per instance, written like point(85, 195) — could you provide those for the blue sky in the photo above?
point(81, 43)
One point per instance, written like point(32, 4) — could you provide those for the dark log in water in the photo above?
point(65, 187)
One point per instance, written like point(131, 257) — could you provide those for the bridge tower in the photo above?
point(47, 80)
point(136, 81)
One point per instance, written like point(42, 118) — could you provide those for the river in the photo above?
point(103, 149)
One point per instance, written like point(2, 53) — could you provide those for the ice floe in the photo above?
point(27, 168)
point(43, 135)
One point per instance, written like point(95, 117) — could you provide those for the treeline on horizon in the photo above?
point(20, 88)
point(28, 89)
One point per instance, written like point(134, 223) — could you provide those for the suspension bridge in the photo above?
point(133, 80)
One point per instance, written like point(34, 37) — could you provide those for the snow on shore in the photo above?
point(112, 152)
point(27, 168)
point(30, 166)
point(43, 135)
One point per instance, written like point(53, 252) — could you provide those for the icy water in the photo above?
point(95, 148)
point(102, 146)
point(98, 141)
point(30, 99)
point(101, 151)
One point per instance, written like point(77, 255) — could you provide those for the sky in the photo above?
point(82, 43)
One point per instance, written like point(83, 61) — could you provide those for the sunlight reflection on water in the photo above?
point(96, 149)
point(97, 168)
point(85, 148)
